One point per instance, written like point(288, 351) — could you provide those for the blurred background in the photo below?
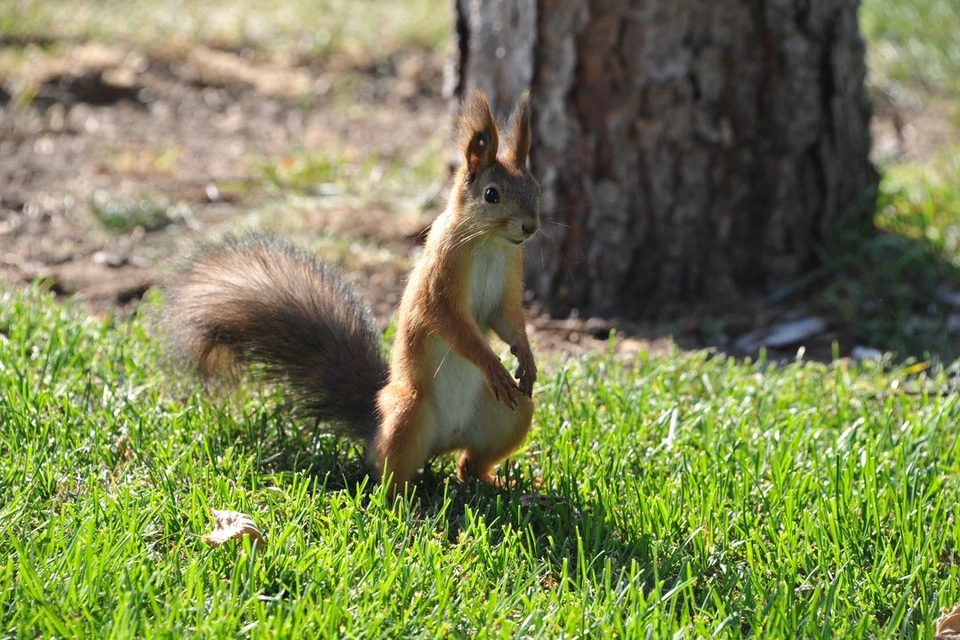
point(130, 129)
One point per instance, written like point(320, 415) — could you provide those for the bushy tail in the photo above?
point(259, 299)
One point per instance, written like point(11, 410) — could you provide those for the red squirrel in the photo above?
point(258, 299)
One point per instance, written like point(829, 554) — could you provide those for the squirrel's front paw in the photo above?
point(502, 386)
point(526, 370)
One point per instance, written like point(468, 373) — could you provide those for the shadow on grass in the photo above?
point(893, 292)
point(577, 540)
point(895, 285)
point(891, 289)
point(885, 276)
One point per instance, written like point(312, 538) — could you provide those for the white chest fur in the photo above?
point(487, 280)
point(458, 383)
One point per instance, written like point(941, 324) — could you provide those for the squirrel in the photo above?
point(259, 299)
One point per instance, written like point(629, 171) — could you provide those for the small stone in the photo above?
point(951, 298)
point(598, 328)
point(866, 353)
point(783, 334)
point(788, 333)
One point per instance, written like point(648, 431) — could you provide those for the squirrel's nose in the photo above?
point(530, 229)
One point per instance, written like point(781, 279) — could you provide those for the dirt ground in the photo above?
point(95, 138)
point(180, 137)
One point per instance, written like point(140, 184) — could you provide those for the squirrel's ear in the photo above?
point(522, 135)
point(477, 132)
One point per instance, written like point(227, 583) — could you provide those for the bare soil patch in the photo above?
point(178, 139)
point(95, 132)
point(115, 161)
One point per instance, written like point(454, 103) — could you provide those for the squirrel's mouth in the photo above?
point(516, 242)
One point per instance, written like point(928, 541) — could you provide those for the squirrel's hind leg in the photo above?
point(497, 431)
point(406, 436)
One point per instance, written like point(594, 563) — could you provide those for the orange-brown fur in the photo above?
point(436, 304)
point(258, 299)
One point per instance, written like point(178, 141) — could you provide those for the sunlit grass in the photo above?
point(922, 202)
point(315, 29)
point(914, 42)
point(372, 178)
point(887, 291)
point(681, 494)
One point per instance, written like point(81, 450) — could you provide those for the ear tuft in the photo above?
point(522, 135)
point(477, 132)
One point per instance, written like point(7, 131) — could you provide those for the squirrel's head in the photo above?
point(497, 192)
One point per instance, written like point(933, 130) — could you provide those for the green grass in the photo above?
point(124, 216)
point(913, 42)
point(684, 494)
point(373, 179)
point(312, 28)
point(319, 28)
point(884, 291)
point(687, 494)
point(922, 202)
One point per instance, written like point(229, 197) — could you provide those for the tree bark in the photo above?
point(688, 151)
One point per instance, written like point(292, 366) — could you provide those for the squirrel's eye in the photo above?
point(491, 195)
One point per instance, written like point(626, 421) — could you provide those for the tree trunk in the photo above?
point(689, 151)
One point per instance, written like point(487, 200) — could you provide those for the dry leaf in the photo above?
point(231, 525)
point(948, 625)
